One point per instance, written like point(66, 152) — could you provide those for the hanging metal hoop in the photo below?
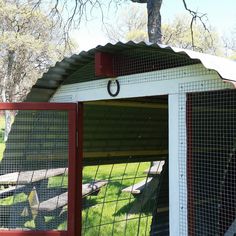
point(117, 88)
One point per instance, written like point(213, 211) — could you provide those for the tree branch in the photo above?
point(139, 1)
point(195, 15)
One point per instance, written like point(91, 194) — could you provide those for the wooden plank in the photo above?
point(27, 177)
point(11, 190)
point(61, 200)
point(107, 154)
point(52, 203)
point(138, 187)
point(128, 104)
point(125, 153)
point(156, 169)
point(147, 194)
point(231, 230)
point(88, 189)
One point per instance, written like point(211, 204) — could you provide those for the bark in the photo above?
point(7, 124)
point(154, 19)
point(6, 79)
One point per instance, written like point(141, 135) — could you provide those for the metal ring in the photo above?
point(109, 88)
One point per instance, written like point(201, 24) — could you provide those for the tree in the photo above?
point(154, 19)
point(178, 34)
point(229, 43)
point(28, 46)
point(72, 12)
point(131, 25)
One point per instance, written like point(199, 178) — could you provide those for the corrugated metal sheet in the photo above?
point(46, 86)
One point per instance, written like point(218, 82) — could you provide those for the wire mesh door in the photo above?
point(125, 180)
point(211, 163)
point(38, 169)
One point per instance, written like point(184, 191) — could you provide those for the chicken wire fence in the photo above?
point(121, 199)
point(121, 180)
point(211, 163)
point(135, 62)
point(34, 170)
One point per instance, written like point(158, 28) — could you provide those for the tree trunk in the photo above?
point(7, 125)
point(154, 21)
point(6, 78)
point(7, 115)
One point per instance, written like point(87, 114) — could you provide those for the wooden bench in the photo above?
point(57, 203)
point(28, 177)
point(52, 203)
point(22, 180)
point(138, 187)
point(231, 230)
point(156, 169)
point(61, 200)
point(28, 182)
point(93, 187)
point(11, 190)
point(33, 183)
point(153, 172)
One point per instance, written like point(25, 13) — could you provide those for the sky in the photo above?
point(221, 15)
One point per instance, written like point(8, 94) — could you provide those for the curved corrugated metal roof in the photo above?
point(46, 86)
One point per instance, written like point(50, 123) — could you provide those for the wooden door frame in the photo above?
point(74, 165)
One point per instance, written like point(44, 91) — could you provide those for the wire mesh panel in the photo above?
point(211, 153)
point(34, 168)
point(119, 199)
point(122, 141)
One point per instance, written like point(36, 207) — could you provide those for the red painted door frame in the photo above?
point(75, 116)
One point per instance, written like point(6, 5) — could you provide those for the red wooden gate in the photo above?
point(41, 167)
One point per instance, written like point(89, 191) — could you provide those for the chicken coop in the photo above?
point(124, 139)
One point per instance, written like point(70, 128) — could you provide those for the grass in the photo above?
point(107, 213)
point(2, 148)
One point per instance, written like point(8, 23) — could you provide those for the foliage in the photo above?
point(130, 25)
point(2, 148)
point(229, 43)
point(175, 33)
point(30, 42)
point(28, 46)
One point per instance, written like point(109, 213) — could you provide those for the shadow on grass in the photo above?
point(112, 190)
point(137, 206)
point(88, 202)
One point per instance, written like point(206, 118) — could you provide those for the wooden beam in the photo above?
point(138, 187)
point(130, 153)
point(27, 177)
point(128, 104)
point(125, 153)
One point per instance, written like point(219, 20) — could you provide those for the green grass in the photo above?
point(107, 214)
point(2, 148)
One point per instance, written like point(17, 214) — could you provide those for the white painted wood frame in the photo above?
point(140, 85)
